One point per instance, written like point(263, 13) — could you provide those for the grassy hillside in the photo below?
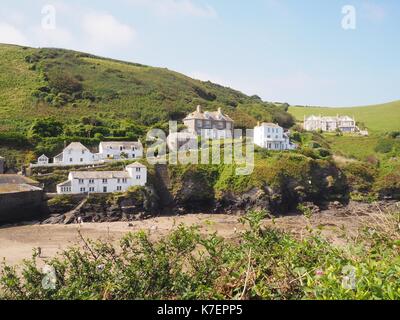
point(69, 85)
point(377, 118)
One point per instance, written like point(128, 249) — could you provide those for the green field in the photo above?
point(377, 118)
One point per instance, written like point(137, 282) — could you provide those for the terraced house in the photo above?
point(330, 124)
point(82, 182)
point(209, 125)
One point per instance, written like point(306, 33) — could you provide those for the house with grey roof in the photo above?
point(85, 182)
point(330, 124)
point(117, 150)
point(209, 125)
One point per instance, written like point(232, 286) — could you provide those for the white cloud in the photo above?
point(373, 12)
point(104, 31)
point(12, 35)
point(177, 7)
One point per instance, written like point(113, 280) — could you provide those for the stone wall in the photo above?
point(21, 206)
point(1, 165)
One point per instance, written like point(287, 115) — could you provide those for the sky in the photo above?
point(322, 53)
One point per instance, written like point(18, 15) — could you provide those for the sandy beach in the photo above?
point(17, 243)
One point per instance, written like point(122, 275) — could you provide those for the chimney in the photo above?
point(199, 108)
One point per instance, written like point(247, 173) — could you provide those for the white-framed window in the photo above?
point(81, 181)
point(81, 160)
point(71, 160)
point(118, 180)
point(124, 180)
point(138, 177)
point(119, 188)
point(83, 189)
point(91, 189)
point(91, 181)
point(83, 151)
point(105, 180)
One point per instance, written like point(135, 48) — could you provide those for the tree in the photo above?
point(46, 128)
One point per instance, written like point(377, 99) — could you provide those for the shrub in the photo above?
point(384, 146)
point(261, 264)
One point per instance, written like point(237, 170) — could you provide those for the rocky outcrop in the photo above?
point(137, 204)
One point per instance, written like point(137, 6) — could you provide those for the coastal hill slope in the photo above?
point(68, 85)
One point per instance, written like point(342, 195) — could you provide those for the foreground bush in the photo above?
point(259, 264)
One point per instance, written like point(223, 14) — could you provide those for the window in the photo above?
point(83, 189)
point(104, 189)
point(70, 160)
point(81, 181)
point(137, 169)
point(138, 177)
point(119, 188)
point(118, 180)
point(91, 189)
point(124, 180)
point(91, 181)
point(121, 148)
point(81, 159)
point(105, 181)
point(83, 151)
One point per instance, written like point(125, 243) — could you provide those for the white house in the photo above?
point(330, 124)
point(75, 154)
point(272, 137)
point(43, 160)
point(104, 181)
point(120, 150)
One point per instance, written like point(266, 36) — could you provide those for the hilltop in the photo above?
point(379, 118)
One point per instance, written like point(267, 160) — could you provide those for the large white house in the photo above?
point(120, 150)
point(75, 154)
point(330, 124)
point(272, 137)
point(85, 182)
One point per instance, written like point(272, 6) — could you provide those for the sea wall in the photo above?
point(21, 206)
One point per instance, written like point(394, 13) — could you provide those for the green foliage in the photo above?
point(45, 128)
point(360, 176)
point(384, 146)
point(260, 264)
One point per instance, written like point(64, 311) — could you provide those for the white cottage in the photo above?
point(104, 181)
point(43, 160)
point(75, 154)
point(272, 137)
point(115, 150)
